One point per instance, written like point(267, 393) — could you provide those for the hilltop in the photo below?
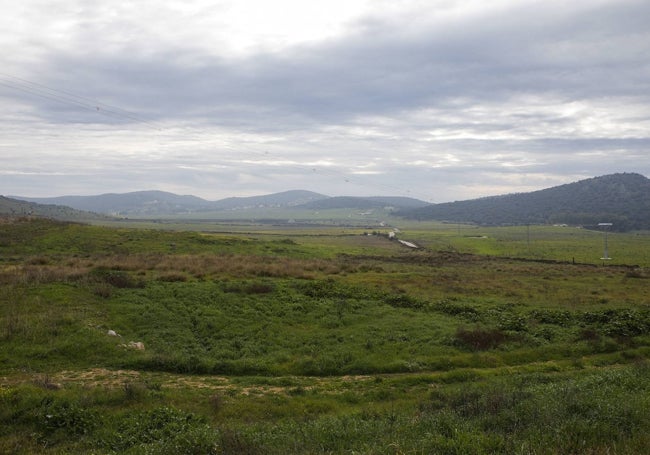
point(622, 199)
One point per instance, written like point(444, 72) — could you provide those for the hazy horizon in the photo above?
point(235, 196)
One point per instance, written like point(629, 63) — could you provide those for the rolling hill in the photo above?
point(293, 198)
point(160, 203)
point(364, 203)
point(17, 208)
point(622, 199)
point(141, 202)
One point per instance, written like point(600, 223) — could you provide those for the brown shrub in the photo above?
point(480, 339)
point(259, 288)
point(173, 277)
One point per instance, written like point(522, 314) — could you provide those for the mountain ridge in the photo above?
point(156, 202)
point(363, 203)
point(622, 198)
point(160, 203)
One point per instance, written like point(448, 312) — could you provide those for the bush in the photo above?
point(259, 288)
point(454, 309)
point(628, 323)
point(331, 289)
point(116, 278)
point(513, 322)
point(637, 273)
point(173, 278)
point(70, 417)
point(103, 290)
point(556, 317)
point(403, 301)
point(480, 339)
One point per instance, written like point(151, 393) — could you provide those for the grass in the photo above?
point(555, 243)
point(309, 342)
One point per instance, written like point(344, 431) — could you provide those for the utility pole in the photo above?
point(605, 252)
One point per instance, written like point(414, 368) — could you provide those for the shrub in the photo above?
point(163, 430)
point(103, 290)
point(232, 441)
point(70, 417)
point(173, 278)
point(259, 288)
point(589, 335)
point(216, 402)
point(627, 323)
point(38, 260)
point(331, 289)
point(403, 301)
point(636, 273)
point(116, 278)
point(454, 309)
point(134, 391)
point(513, 322)
point(561, 318)
point(480, 339)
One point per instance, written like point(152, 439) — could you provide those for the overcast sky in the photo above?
point(440, 100)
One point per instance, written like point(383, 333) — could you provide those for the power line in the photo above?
point(88, 104)
point(65, 97)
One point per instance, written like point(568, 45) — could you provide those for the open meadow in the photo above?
point(272, 339)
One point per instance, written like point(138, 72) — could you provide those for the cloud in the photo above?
point(393, 95)
point(383, 69)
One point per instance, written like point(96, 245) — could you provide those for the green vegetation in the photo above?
point(16, 208)
point(621, 199)
point(314, 340)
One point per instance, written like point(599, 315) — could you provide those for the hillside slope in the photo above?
point(17, 208)
point(292, 198)
point(160, 203)
point(141, 202)
point(364, 203)
point(622, 199)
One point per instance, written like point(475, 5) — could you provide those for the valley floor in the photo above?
point(328, 343)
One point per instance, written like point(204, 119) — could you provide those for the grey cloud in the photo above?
point(480, 96)
point(383, 72)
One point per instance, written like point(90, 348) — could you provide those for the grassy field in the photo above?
point(258, 338)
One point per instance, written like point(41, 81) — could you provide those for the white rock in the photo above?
point(138, 345)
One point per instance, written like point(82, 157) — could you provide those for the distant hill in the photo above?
point(291, 198)
point(141, 202)
point(399, 202)
point(17, 208)
point(364, 203)
point(622, 199)
point(160, 203)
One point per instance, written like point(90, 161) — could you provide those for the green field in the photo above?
point(324, 338)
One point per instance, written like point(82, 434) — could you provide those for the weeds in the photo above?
point(69, 417)
point(480, 339)
point(116, 278)
point(493, 355)
point(163, 430)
